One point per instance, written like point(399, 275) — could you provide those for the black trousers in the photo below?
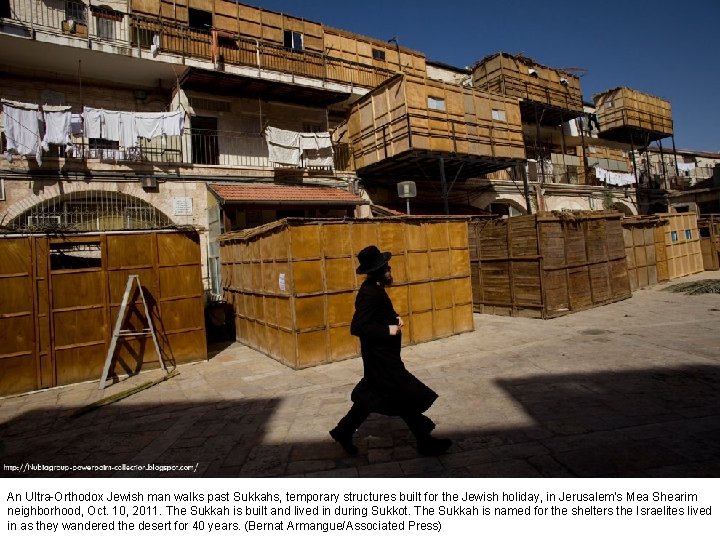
point(419, 424)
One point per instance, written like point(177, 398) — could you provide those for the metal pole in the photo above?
point(663, 169)
point(637, 181)
point(581, 126)
point(407, 206)
point(527, 190)
point(443, 186)
point(677, 171)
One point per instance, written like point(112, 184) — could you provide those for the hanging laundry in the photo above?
point(614, 178)
point(319, 158)
point(58, 128)
point(110, 125)
point(127, 133)
point(283, 146)
point(685, 167)
point(173, 123)
point(93, 122)
point(317, 149)
point(22, 128)
point(149, 124)
point(315, 141)
point(154, 124)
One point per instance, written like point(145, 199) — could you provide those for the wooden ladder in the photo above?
point(132, 281)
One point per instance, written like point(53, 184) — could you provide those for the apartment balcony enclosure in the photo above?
point(194, 147)
point(134, 34)
point(410, 122)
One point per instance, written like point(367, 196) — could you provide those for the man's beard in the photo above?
point(385, 280)
point(382, 278)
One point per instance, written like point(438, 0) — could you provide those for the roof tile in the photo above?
point(277, 193)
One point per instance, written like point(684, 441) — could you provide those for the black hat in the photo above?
point(371, 259)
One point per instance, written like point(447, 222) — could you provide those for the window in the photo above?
point(499, 114)
point(75, 11)
point(5, 9)
point(436, 103)
point(73, 255)
point(43, 221)
point(105, 28)
point(2, 189)
point(377, 54)
point(293, 40)
point(674, 236)
point(312, 128)
point(199, 19)
point(688, 234)
point(105, 19)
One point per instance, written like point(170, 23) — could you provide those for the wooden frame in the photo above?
point(293, 282)
point(548, 264)
point(63, 314)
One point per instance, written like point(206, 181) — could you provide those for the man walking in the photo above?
point(387, 387)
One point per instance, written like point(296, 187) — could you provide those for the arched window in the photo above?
point(91, 211)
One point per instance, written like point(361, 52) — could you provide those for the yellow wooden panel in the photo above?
point(340, 307)
point(180, 281)
point(340, 274)
point(178, 248)
point(305, 241)
point(79, 326)
point(311, 348)
point(309, 312)
point(307, 277)
point(77, 288)
point(420, 295)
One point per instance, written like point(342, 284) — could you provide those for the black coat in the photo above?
point(387, 387)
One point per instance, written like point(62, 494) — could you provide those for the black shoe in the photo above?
point(345, 441)
point(431, 446)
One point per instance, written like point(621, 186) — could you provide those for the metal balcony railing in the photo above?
point(192, 147)
point(71, 18)
point(74, 19)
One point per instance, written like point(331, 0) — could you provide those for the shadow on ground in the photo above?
point(633, 423)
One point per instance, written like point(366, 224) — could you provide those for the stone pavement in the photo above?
point(627, 389)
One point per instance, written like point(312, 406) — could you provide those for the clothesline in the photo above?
point(29, 128)
point(615, 178)
point(287, 147)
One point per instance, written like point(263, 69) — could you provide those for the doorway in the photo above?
point(204, 133)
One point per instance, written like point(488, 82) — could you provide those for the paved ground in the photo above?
point(628, 389)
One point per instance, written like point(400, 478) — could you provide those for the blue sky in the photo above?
point(667, 49)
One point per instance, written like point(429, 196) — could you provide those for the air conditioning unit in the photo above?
point(148, 182)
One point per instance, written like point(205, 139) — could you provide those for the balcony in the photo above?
point(194, 147)
point(409, 126)
point(73, 20)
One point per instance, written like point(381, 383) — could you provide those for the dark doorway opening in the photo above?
point(205, 149)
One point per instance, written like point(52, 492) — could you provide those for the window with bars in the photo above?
point(75, 11)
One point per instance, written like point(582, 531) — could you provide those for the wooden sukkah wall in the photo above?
point(522, 77)
point(682, 244)
point(709, 227)
point(56, 318)
point(412, 113)
point(293, 283)
point(326, 52)
point(627, 108)
point(548, 264)
point(645, 250)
